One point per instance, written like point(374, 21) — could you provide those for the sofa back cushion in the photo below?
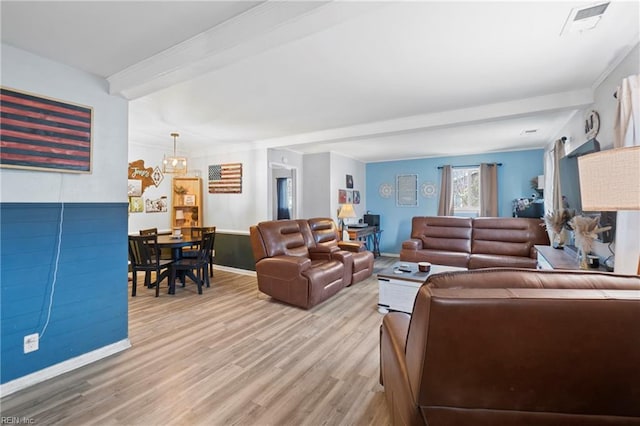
point(507, 236)
point(445, 233)
point(537, 346)
point(324, 230)
point(281, 237)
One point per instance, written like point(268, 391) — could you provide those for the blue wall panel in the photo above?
point(89, 308)
point(518, 167)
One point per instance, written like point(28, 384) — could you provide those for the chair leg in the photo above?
point(211, 266)
point(134, 283)
point(158, 283)
point(199, 280)
point(172, 281)
point(147, 279)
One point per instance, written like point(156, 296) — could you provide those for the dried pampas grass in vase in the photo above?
point(586, 231)
point(556, 221)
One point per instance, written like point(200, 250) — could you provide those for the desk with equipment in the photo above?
point(369, 232)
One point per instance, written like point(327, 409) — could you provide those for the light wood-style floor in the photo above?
point(230, 356)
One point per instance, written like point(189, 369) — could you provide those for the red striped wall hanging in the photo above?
point(41, 133)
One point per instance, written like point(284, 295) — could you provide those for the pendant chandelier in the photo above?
point(173, 163)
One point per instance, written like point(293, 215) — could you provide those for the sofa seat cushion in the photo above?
point(437, 257)
point(325, 280)
point(478, 261)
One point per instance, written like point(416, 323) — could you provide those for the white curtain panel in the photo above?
point(627, 133)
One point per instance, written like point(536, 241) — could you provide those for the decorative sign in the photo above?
point(225, 178)
point(428, 189)
point(155, 206)
point(148, 176)
point(45, 134)
point(136, 205)
point(385, 190)
point(592, 125)
point(407, 190)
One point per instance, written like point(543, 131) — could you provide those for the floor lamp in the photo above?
point(346, 211)
point(610, 180)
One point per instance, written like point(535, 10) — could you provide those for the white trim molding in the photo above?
point(63, 367)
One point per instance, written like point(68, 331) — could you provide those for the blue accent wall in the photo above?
point(518, 167)
point(90, 301)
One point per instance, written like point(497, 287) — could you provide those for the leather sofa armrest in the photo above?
point(352, 246)
point(283, 265)
point(412, 244)
point(393, 369)
point(322, 252)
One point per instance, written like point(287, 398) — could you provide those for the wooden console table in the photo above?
point(551, 258)
point(363, 234)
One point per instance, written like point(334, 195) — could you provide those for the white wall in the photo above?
point(316, 192)
point(340, 168)
point(628, 231)
point(107, 181)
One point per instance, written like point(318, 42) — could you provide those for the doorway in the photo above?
point(283, 192)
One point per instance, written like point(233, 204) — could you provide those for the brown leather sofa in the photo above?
point(293, 268)
point(326, 238)
point(514, 347)
point(473, 243)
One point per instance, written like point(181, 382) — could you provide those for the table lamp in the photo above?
point(346, 211)
point(610, 180)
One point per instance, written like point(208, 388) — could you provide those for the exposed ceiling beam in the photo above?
point(264, 27)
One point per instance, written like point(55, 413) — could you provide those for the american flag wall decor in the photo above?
point(43, 133)
point(225, 178)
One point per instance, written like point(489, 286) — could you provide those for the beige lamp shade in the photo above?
point(610, 180)
point(346, 211)
point(179, 215)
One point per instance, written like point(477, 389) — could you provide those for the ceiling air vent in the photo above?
point(584, 18)
point(529, 132)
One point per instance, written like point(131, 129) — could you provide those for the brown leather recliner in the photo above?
point(513, 347)
point(326, 238)
point(287, 270)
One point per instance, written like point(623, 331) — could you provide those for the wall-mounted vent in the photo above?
point(584, 18)
point(529, 132)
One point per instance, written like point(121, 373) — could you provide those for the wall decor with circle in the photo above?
point(592, 124)
point(428, 189)
point(385, 190)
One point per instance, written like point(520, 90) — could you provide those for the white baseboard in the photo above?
point(62, 367)
point(234, 270)
point(390, 254)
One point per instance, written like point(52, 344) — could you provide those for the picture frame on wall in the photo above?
point(349, 182)
point(349, 197)
point(407, 190)
point(134, 187)
point(136, 205)
point(356, 197)
point(342, 196)
point(64, 128)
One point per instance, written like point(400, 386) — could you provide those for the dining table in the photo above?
point(176, 244)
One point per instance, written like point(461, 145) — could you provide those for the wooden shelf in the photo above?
point(192, 212)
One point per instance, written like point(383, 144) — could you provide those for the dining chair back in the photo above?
point(149, 231)
point(197, 264)
point(145, 256)
point(197, 232)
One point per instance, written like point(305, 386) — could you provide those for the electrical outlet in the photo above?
point(31, 343)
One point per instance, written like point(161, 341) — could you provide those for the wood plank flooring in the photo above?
point(232, 356)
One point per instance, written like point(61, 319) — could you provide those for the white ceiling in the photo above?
point(373, 81)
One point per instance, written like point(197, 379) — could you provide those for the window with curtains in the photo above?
point(466, 190)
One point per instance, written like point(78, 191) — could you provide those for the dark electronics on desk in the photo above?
point(372, 219)
point(570, 186)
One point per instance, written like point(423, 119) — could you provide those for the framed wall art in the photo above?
point(407, 190)
point(40, 133)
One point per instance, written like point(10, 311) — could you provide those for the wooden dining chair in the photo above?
point(197, 232)
point(145, 256)
point(197, 264)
